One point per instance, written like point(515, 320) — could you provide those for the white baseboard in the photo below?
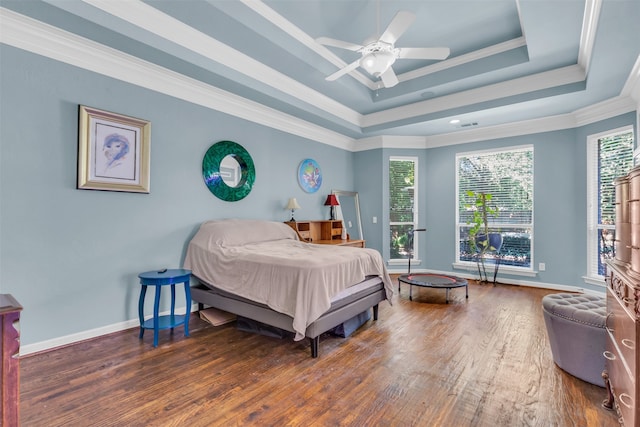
point(89, 334)
point(117, 327)
point(515, 282)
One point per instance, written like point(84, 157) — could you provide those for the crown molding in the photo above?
point(42, 39)
point(296, 33)
point(588, 34)
point(594, 113)
point(366, 144)
point(162, 25)
point(604, 110)
point(632, 85)
point(525, 127)
point(36, 37)
point(390, 141)
point(279, 21)
point(462, 59)
point(519, 86)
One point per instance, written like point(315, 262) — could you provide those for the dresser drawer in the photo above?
point(623, 330)
point(623, 386)
point(305, 234)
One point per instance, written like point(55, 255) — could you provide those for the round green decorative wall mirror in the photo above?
point(228, 171)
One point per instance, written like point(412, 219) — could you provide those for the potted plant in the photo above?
point(481, 240)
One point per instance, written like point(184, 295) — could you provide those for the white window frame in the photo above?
point(471, 266)
point(416, 237)
point(592, 277)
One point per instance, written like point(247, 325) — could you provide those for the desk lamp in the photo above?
point(293, 205)
point(332, 201)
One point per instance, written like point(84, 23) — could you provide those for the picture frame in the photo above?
point(113, 151)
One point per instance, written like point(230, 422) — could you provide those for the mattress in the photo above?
point(265, 263)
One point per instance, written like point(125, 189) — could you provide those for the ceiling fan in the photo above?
point(378, 55)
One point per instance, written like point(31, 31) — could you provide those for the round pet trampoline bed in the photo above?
point(436, 281)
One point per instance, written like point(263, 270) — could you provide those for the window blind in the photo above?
point(615, 159)
point(506, 175)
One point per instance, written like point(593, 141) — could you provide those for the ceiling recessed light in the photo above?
point(454, 121)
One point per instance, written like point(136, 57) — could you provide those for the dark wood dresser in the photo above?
point(623, 312)
point(10, 367)
point(623, 304)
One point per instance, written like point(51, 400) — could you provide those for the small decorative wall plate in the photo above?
point(309, 175)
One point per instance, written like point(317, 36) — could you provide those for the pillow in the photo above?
point(238, 232)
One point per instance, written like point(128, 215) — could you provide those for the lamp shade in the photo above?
point(293, 204)
point(332, 200)
point(377, 63)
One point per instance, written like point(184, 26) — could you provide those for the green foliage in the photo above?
point(482, 209)
point(479, 239)
point(401, 181)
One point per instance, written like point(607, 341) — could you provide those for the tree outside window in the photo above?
point(402, 206)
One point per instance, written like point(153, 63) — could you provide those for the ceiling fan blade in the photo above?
point(389, 78)
point(327, 41)
point(341, 72)
point(424, 52)
point(399, 24)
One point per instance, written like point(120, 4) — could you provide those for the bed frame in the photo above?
point(369, 294)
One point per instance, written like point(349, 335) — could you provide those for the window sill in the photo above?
point(505, 270)
point(597, 281)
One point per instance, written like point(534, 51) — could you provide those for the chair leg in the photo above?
point(495, 271)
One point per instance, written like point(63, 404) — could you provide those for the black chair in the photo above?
point(495, 243)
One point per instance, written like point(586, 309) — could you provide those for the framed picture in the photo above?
point(113, 151)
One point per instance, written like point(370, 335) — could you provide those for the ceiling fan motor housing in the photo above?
point(377, 57)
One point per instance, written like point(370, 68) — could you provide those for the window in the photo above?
point(403, 202)
point(507, 175)
point(609, 155)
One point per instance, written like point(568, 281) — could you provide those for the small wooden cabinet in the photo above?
point(10, 367)
point(323, 232)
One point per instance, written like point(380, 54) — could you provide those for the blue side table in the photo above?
point(157, 322)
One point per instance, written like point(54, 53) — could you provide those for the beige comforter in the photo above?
point(265, 262)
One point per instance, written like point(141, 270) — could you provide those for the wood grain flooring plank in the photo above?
point(482, 361)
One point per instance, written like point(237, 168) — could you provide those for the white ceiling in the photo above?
point(510, 60)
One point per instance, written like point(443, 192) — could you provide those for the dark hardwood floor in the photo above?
point(484, 361)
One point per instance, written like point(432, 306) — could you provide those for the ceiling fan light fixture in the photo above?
point(378, 62)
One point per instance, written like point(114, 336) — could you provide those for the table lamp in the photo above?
point(293, 205)
point(332, 201)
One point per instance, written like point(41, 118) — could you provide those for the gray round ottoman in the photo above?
point(576, 329)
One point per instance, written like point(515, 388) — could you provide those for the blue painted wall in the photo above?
point(71, 257)
point(560, 185)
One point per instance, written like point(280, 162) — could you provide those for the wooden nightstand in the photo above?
point(323, 232)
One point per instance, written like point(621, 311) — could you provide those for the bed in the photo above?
point(262, 271)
